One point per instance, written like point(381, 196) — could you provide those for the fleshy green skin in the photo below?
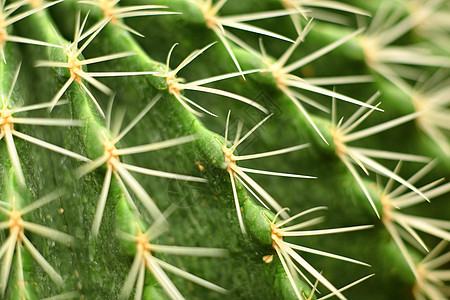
point(205, 214)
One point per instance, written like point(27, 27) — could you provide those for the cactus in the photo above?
point(200, 149)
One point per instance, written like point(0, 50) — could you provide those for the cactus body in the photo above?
point(253, 160)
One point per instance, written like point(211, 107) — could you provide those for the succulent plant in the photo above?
point(200, 149)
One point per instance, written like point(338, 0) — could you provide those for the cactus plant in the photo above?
point(347, 196)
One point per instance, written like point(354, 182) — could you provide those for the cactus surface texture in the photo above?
point(214, 149)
